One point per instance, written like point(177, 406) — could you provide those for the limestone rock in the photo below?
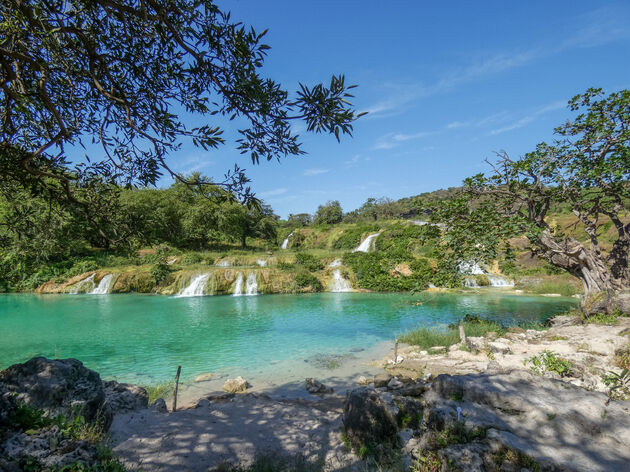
point(204, 377)
point(159, 405)
point(363, 380)
point(237, 385)
point(62, 386)
point(381, 380)
point(316, 387)
point(122, 397)
point(499, 347)
point(367, 420)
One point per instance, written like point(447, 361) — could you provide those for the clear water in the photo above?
point(140, 338)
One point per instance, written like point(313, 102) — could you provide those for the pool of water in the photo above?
point(142, 338)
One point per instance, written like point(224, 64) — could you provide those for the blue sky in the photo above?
point(445, 84)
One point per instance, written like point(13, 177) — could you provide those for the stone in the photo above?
point(237, 385)
point(414, 389)
point(381, 380)
point(437, 349)
point(395, 384)
point(363, 380)
point(59, 387)
point(159, 405)
point(499, 347)
point(122, 397)
point(204, 377)
point(316, 387)
point(468, 457)
point(367, 419)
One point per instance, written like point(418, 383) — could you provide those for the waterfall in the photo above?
point(251, 286)
point(285, 243)
point(335, 263)
point(77, 288)
point(261, 262)
point(104, 286)
point(473, 268)
point(238, 286)
point(224, 263)
point(339, 284)
point(196, 286)
point(367, 243)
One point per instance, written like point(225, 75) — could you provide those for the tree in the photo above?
point(120, 74)
point(587, 169)
point(330, 213)
point(240, 222)
point(299, 219)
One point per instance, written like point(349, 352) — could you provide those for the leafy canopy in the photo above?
point(121, 78)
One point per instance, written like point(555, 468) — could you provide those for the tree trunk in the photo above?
point(603, 292)
point(244, 241)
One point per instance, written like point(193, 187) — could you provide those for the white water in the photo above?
point(251, 286)
point(261, 262)
point(335, 263)
point(196, 287)
point(225, 263)
point(339, 284)
point(473, 268)
point(285, 243)
point(238, 286)
point(77, 288)
point(367, 243)
point(104, 286)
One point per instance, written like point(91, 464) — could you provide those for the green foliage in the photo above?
point(563, 288)
point(305, 280)
point(308, 261)
point(604, 318)
point(456, 433)
point(160, 272)
point(622, 357)
point(618, 384)
point(25, 418)
point(191, 258)
point(161, 390)
point(351, 237)
point(282, 265)
point(425, 338)
point(329, 214)
point(548, 361)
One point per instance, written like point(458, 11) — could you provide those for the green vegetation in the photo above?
point(618, 384)
point(566, 289)
point(161, 390)
point(604, 318)
point(306, 280)
point(426, 338)
point(622, 357)
point(548, 361)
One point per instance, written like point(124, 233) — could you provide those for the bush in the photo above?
point(308, 261)
point(548, 361)
point(160, 272)
point(351, 238)
point(426, 338)
point(191, 258)
point(304, 280)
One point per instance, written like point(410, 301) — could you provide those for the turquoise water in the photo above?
point(140, 338)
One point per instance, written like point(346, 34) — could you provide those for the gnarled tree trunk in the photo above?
point(605, 289)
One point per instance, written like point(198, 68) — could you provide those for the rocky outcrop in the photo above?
point(237, 385)
point(53, 411)
point(315, 387)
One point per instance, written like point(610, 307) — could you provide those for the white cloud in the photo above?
point(272, 193)
point(525, 120)
point(313, 172)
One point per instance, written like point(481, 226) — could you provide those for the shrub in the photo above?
point(309, 261)
point(622, 357)
point(618, 384)
point(191, 258)
point(548, 361)
point(161, 390)
point(160, 272)
point(304, 280)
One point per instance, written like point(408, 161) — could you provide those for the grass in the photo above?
point(622, 357)
point(426, 338)
point(603, 318)
point(162, 390)
point(563, 288)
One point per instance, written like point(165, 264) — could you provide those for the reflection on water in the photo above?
point(140, 338)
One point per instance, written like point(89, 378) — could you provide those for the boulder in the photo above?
point(204, 377)
point(316, 387)
point(381, 380)
point(363, 380)
point(395, 384)
point(59, 387)
point(237, 385)
point(122, 397)
point(159, 405)
point(367, 419)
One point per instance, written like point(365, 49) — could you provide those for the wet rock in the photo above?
point(204, 377)
point(237, 385)
point(316, 387)
point(367, 419)
point(381, 380)
point(62, 386)
point(159, 405)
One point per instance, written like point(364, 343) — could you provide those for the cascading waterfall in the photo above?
point(251, 285)
point(285, 243)
point(335, 263)
point(104, 286)
point(339, 284)
point(238, 286)
point(196, 287)
point(473, 268)
point(367, 243)
point(79, 286)
point(261, 262)
point(225, 263)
